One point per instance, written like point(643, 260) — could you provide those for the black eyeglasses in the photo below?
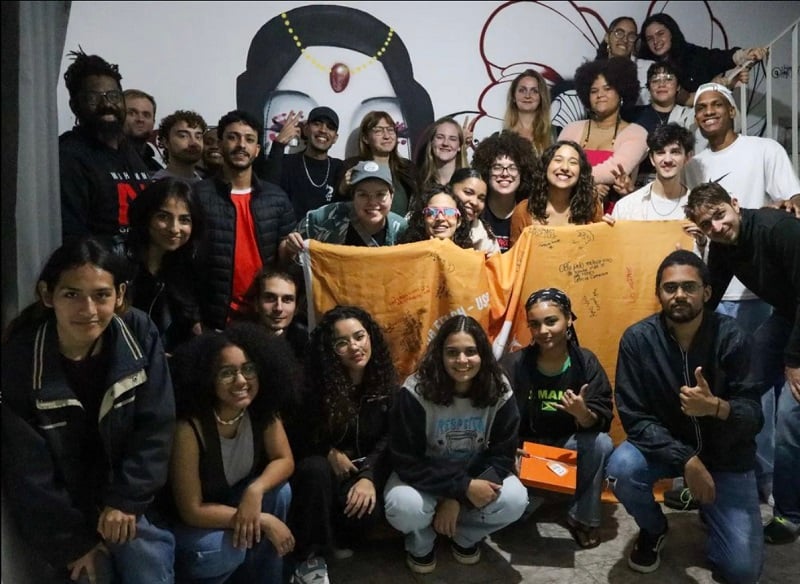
point(228, 375)
point(94, 97)
point(687, 287)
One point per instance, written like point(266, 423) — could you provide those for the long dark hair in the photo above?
point(195, 364)
point(436, 385)
point(582, 201)
point(73, 254)
point(328, 377)
point(677, 44)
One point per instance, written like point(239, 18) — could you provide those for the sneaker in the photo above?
point(646, 553)
point(421, 564)
point(312, 571)
point(780, 531)
point(680, 499)
point(466, 555)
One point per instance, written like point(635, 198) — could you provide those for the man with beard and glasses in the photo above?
point(309, 177)
point(247, 221)
point(100, 171)
point(761, 247)
point(689, 407)
point(181, 136)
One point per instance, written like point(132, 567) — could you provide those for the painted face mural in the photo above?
point(338, 57)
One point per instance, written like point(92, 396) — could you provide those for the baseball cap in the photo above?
point(324, 113)
point(371, 169)
point(719, 88)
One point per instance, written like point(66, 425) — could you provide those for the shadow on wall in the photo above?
point(269, 88)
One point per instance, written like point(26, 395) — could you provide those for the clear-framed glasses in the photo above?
point(499, 169)
point(93, 97)
point(446, 212)
point(342, 345)
point(378, 130)
point(228, 375)
point(620, 33)
point(688, 287)
point(662, 78)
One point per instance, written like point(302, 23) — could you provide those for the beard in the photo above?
point(104, 128)
point(682, 312)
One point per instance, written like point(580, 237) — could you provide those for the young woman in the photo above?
point(166, 230)
point(528, 110)
point(453, 438)
point(88, 414)
point(443, 216)
point(339, 434)
point(564, 399)
point(508, 160)
point(612, 145)
point(562, 193)
point(444, 152)
point(231, 458)
point(470, 187)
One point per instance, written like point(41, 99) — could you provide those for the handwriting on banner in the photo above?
point(586, 270)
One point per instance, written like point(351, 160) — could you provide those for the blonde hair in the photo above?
point(542, 128)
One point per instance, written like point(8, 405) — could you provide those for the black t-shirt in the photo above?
point(310, 183)
point(540, 418)
point(500, 227)
point(353, 238)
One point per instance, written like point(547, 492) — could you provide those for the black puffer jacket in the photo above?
point(274, 219)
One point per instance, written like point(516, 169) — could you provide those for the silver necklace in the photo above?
point(653, 205)
point(230, 422)
point(324, 180)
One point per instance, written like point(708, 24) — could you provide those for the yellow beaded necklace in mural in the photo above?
point(338, 73)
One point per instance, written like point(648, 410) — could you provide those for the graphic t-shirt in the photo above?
point(541, 418)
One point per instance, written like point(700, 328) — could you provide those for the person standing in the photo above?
point(140, 119)
point(689, 407)
point(247, 221)
point(180, 134)
point(761, 247)
point(100, 172)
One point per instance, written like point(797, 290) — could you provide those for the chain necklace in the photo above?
point(653, 205)
point(230, 422)
point(308, 174)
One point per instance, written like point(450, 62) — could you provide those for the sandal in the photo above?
point(586, 537)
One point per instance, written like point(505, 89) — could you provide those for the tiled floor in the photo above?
point(540, 551)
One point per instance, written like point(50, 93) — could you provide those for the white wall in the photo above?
point(189, 54)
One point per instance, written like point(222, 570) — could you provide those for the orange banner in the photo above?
point(608, 273)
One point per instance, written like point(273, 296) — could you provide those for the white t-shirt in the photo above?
point(755, 171)
point(644, 205)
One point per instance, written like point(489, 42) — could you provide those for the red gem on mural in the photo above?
point(339, 77)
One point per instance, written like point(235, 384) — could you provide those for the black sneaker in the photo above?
point(466, 555)
point(680, 499)
point(421, 564)
point(646, 553)
point(780, 531)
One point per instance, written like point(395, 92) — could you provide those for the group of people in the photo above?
point(168, 416)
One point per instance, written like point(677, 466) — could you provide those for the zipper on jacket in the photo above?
point(160, 289)
point(686, 382)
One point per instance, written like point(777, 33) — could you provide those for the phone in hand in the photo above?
point(491, 475)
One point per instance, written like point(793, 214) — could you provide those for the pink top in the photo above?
point(630, 148)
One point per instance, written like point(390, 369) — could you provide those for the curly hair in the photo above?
point(328, 377)
point(517, 149)
point(417, 230)
point(436, 385)
point(192, 119)
point(620, 74)
point(425, 158)
point(542, 128)
point(195, 364)
point(582, 200)
point(241, 117)
point(83, 66)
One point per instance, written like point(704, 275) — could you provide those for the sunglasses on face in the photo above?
point(446, 212)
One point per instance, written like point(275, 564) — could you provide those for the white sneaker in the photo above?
point(312, 571)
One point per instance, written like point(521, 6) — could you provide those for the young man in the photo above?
point(276, 306)
point(364, 221)
point(100, 171)
point(761, 247)
point(246, 221)
point(309, 177)
point(181, 136)
point(140, 119)
point(689, 408)
point(662, 83)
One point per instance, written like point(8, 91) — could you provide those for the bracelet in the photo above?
point(716, 414)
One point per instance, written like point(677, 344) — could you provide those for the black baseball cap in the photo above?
point(324, 113)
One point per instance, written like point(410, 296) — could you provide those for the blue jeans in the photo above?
point(208, 555)
point(751, 314)
point(411, 512)
point(593, 448)
point(735, 544)
point(149, 557)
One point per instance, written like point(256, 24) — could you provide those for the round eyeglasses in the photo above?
point(228, 375)
point(620, 33)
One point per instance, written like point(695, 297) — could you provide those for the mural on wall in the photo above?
point(334, 56)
